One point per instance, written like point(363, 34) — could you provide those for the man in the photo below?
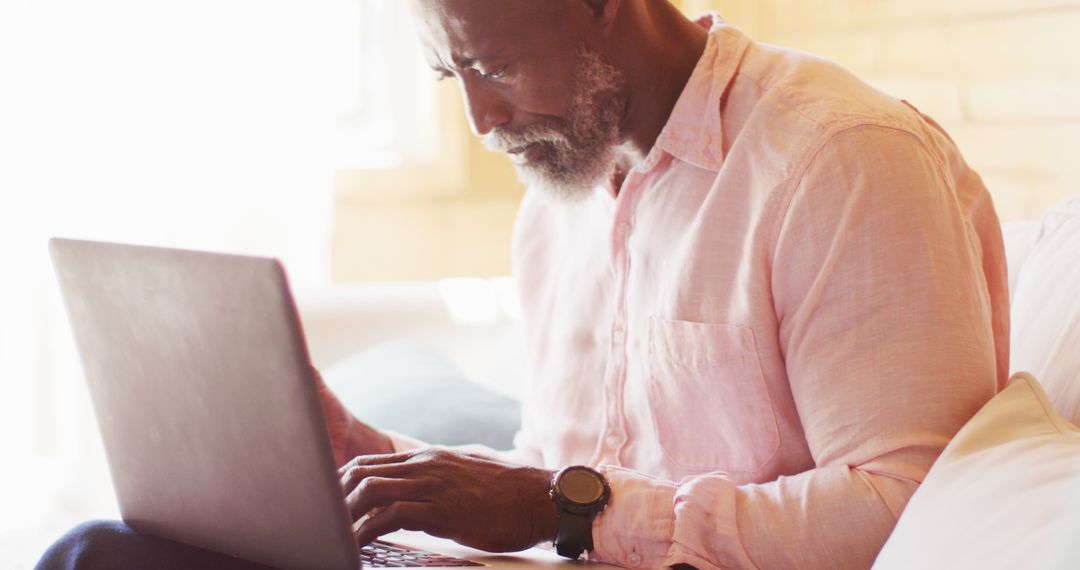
point(759, 297)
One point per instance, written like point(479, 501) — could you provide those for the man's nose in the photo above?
point(485, 109)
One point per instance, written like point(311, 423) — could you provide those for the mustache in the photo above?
point(504, 140)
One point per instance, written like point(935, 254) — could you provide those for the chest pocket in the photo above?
point(709, 403)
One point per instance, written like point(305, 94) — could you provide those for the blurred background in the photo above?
point(312, 131)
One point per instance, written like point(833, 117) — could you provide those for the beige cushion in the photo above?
point(1045, 293)
point(1005, 493)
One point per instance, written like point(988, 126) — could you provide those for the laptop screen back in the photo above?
point(206, 401)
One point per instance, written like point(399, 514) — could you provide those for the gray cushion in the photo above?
point(411, 389)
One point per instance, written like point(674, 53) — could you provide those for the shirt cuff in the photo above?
point(706, 529)
point(635, 529)
point(652, 523)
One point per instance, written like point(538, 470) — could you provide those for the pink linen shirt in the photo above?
point(766, 336)
point(770, 331)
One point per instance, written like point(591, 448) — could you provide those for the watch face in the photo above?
point(581, 486)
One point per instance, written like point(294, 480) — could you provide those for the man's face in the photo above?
point(534, 86)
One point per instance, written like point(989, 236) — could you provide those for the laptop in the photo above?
point(205, 397)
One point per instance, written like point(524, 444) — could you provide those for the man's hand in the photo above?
point(349, 436)
point(473, 500)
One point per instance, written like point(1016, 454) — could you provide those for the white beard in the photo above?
point(580, 152)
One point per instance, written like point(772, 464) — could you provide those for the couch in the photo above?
point(424, 358)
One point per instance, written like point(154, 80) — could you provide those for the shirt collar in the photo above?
point(693, 131)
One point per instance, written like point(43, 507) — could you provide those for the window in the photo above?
point(209, 124)
point(388, 100)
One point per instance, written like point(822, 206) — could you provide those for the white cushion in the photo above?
point(1005, 493)
point(1045, 315)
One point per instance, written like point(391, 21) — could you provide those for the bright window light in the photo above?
point(210, 124)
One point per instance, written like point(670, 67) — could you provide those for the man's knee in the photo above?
point(112, 544)
point(82, 545)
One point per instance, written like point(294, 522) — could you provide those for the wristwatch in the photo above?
point(580, 493)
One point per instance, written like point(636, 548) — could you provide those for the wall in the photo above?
point(450, 218)
point(1002, 76)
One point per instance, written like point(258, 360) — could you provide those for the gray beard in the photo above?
point(579, 153)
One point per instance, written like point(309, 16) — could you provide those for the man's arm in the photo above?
point(349, 437)
point(885, 325)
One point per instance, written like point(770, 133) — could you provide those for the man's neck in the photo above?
point(662, 48)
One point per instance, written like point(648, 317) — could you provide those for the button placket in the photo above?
point(615, 437)
point(618, 337)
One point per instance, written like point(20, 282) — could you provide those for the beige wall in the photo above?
point(450, 218)
point(1003, 76)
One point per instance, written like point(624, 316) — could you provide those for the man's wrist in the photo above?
point(366, 440)
point(545, 515)
point(387, 445)
point(579, 493)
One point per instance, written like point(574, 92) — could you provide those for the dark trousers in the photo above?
point(112, 545)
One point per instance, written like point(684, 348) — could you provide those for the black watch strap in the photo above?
point(574, 535)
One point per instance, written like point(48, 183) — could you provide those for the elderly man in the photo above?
point(759, 297)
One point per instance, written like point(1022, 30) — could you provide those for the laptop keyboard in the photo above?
point(381, 554)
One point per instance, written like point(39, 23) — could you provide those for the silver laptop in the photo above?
point(205, 398)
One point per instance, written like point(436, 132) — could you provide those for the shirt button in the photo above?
point(622, 229)
point(613, 440)
point(634, 559)
point(617, 334)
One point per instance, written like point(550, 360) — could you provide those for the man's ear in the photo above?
point(604, 10)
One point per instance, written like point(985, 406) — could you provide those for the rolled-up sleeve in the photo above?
point(885, 326)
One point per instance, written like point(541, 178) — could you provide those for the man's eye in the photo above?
point(493, 74)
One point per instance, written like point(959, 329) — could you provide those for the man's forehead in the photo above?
point(475, 28)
